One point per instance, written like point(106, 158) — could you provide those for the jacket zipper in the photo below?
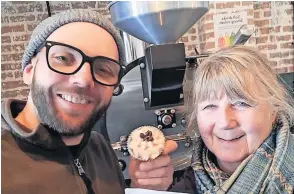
point(83, 175)
point(79, 166)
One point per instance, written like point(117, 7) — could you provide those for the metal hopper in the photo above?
point(157, 22)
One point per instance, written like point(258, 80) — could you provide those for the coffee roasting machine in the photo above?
point(151, 91)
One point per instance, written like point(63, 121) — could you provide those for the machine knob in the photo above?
point(187, 145)
point(122, 164)
point(166, 120)
point(184, 122)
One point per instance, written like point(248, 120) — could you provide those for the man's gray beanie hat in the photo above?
point(49, 25)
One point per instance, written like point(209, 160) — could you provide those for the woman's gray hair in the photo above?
point(236, 70)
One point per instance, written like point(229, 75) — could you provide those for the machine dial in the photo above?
point(167, 119)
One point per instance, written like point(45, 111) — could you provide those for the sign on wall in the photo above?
point(226, 25)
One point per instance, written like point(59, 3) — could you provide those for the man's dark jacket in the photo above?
point(41, 163)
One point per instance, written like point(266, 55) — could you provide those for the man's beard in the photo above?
point(48, 115)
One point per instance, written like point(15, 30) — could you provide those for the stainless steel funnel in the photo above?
point(157, 22)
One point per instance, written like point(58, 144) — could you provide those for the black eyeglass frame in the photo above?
point(85, 58)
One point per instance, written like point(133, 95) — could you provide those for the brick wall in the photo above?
point(273, 22)
point(18, 20)
point(274, 35)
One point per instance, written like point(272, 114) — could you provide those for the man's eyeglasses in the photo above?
point(68, 60)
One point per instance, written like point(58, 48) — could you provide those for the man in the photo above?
point(72, 64)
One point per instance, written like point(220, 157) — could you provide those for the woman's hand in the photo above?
point(156, 174)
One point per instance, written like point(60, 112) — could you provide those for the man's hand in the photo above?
point(156, 174)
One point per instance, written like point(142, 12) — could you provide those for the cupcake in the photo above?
point(146, 143)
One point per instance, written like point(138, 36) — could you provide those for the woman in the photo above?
point(243, 117)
